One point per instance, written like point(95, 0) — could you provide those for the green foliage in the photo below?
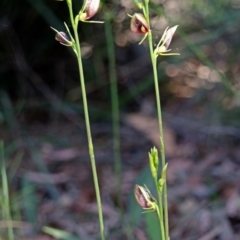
point(59, 234)
point(5, 205)
point(152, 226)
point(30, 201)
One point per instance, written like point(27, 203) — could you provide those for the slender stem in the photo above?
point(160, 218)
point(160, 211)
point(6, 207)
point(159, 113)
point(159, 198)
point(87, 122)
point(115, 104)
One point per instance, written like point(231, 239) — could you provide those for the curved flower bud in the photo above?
point(139, 24)
point(143, 198)
point(89, 9)
point(63, 38)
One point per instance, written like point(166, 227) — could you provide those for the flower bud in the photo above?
point(144, 198)
point(153, 162)
point(89, 9)
point(139, 24)
point(63, 39)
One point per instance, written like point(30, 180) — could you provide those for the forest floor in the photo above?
point(203, 178)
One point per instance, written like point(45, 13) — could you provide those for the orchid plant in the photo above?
point(140, 23)
point(88, 10)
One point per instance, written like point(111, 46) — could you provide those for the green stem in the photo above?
point(159, 198)
point(5, 193)
point(87, 122)
point(159, 113)
point(160, 218)
point(115, 104)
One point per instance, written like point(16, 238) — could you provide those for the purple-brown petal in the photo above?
point(62, 38)
point(139, 24)
point(141, 197)
point(90, 9)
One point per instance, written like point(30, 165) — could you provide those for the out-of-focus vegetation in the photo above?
point(38, 74)
point(41, 109)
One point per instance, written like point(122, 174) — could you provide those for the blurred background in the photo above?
point(43, 129)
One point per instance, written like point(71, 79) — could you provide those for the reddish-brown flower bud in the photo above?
point(89, 9)
point(144, 198)
point(139, 24)
point(63, 38)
